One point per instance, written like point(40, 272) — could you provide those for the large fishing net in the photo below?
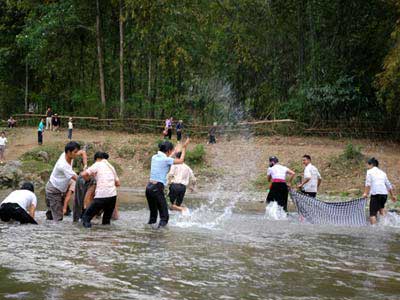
point(336, 213)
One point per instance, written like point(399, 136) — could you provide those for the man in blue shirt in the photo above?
point(160, 165)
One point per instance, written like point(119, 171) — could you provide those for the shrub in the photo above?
point(352, 152)
point(196, 156)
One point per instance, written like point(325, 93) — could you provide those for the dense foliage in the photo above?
point(312, 60)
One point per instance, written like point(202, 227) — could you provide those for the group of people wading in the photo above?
point(377, 184)
point(167, 165)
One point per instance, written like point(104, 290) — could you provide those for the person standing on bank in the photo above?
point(377, 185)
point(168, 127)
point(20, 205)
point(179, 129)
point(160, 166)
point(179, 178)
point(279, 189)
point(105, 197)
point(60, 179)
point(56, 123)
point(212, 133)
point(3, 143)
point(40, 131)
point(70, 127)
point(49, 117)
point(311, 179)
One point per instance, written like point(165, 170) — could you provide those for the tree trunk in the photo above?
point(100, 56)
point(149, 91)
point(121, 60)
point(26, 86)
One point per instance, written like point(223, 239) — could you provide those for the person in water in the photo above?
point(20, 205)
point(377, 185)
point(179, 177)
point(160, 166)
point(279, 189)
point(105, 197)
point(60, 179)
point(311, 179)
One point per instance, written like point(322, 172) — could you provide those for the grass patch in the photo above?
point(53, 152)
point(261, 182)
point(126, 151)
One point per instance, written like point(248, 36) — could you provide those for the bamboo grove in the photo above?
point(205, 61)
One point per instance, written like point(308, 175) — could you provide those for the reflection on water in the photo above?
point(213, 252)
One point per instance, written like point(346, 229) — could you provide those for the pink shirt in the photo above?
point(105, 176)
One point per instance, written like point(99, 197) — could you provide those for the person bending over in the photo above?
point(160, 166)
point(179, 178)
point(105, 197)
point(279, 188)
point(60, 179)
point(20, 205)
point(377, 185)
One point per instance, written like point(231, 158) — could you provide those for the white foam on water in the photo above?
point(207, 215)
point(275, 212)
point(390, 219)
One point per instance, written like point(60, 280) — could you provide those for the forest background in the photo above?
point(314, 61)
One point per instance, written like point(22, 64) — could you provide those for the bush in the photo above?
point(196, 156)
point(352, 152)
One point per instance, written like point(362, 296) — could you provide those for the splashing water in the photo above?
point(275, 212)
point(208, 215)
point(390, 219)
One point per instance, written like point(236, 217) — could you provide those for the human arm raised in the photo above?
point(181, 160)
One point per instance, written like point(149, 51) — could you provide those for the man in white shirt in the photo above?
point(311, 179)
point(60, 178)
point(179, 178)
point(377, 185)
point(20, 205)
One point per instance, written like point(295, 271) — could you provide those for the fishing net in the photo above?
point(336, 213)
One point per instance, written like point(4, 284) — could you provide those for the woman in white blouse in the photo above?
point(279, 189)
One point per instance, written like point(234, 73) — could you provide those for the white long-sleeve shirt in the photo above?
point(377, 181)
point(181, 174)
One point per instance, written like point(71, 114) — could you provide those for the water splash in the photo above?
point(208, 215)
point(275, 212)
point(391, 219)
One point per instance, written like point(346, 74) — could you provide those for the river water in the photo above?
point(218, 251)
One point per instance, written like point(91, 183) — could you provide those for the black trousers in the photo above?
point(69, 134)
point(12, 211)
point(279, 192)
point(40, 137)
point(177, 193)
point(157, 203)
point(169, 133)
point(310, 194)
point(212, 139)
point(107, 205)
point(377, 202)
point(179, 135)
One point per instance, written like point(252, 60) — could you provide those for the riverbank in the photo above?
point(234, 164)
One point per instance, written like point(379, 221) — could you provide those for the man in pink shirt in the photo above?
point(105, 197)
